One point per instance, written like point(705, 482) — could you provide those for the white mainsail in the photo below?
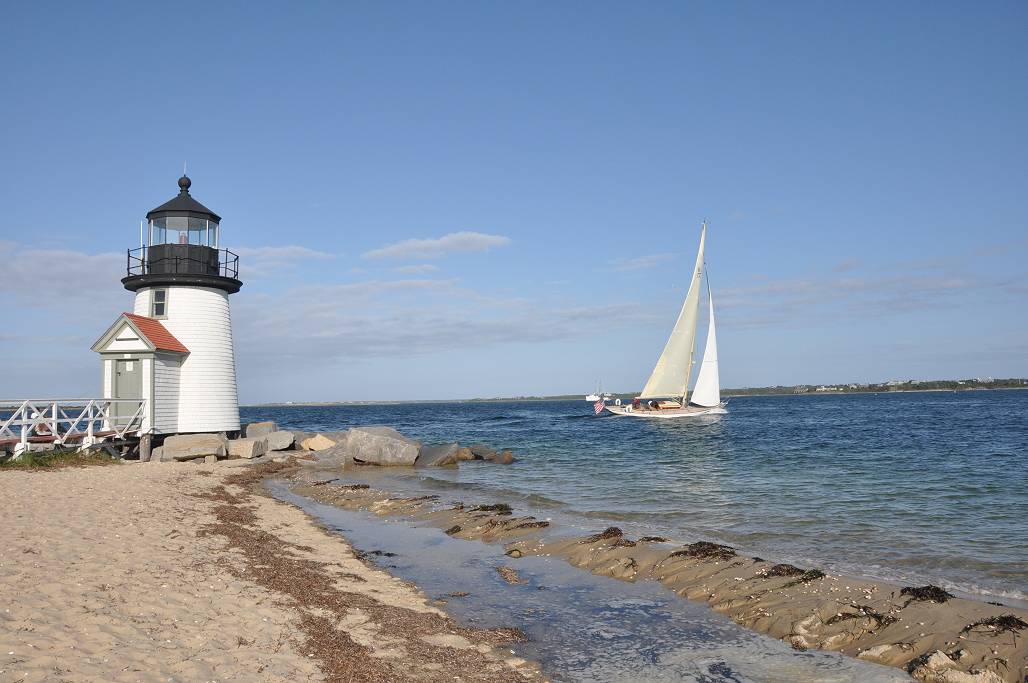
point(671, 375)
point(707, 392)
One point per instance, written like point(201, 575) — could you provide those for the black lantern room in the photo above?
point(181, 245)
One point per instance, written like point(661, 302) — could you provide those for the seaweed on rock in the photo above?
point(705, 550)
point(784, 570)
point(608, 533)
point(498, 508)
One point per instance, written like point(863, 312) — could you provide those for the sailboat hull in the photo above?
point(669, 414)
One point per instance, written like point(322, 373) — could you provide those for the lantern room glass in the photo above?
point(183, 230)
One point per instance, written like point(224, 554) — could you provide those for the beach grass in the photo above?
point(45, 460)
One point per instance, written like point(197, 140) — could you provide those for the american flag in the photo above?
point(598, 406)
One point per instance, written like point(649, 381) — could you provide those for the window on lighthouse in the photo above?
point(158, 303)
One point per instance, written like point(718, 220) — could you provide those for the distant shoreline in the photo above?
point(729, 393)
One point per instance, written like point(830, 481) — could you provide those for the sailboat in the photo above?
point(666, 394)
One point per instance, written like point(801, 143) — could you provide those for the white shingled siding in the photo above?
point(166, 370)
point(199, 318)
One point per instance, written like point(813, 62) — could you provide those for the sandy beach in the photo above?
point(181, 572)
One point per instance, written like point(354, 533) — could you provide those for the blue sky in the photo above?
point(862, 166)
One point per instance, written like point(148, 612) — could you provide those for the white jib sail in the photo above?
point(671, 375)
point(707, 391)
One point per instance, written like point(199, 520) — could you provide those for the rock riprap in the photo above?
point(248, 448)
point(279, 440)
point(258, 429)
point(191, 446)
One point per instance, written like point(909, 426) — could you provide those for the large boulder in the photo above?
point(190, 446)
point(323, 440)
point(335, 456)
point(258, 429)
point(445, 455)
point(279, 441)
point(247, 448)
point(481, 451)
point(299, 437)
point(382, 446)
point(503, 458)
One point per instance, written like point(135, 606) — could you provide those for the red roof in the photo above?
point(157, 333)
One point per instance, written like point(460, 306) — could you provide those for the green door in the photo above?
point(128, 383)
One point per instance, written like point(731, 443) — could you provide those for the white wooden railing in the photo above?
point(81, 422)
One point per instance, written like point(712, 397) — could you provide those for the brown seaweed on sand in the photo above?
point(808, 576)
point(881, 620)
point(925, 594)
point(1000, 624)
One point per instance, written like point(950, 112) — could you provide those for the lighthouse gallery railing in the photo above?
point(140, 263)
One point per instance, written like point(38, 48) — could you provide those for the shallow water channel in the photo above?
point(582, 627)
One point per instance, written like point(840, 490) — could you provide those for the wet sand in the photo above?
point(933, 636)
point(175, 571)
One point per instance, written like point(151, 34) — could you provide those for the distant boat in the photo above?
point(599, 395)
point(666, 392)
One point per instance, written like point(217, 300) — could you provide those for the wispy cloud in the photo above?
point(438, 247)
point(841, 296)
point(417, 270)
point(261, 262)
point(642, 262)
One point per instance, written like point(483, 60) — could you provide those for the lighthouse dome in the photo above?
point(181, 245)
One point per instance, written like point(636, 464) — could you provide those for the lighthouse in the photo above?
point(175, 348)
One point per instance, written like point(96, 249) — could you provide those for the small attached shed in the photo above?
point(142, 359)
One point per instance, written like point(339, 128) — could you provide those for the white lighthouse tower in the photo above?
point(175, 348)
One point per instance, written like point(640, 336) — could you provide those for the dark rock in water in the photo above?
point(784, 570)
point(438, 456)
point(653, 539)
point(705, 550)
point(498, 508)
point(481, 451)
point(514, 552)
point(455, 529)
point(608, 533)
point(509, 575)
point(356, 487)
point(927, 593)
point(459, 594)
point(257, 429)
point(382, 446)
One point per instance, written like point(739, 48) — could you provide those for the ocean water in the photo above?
point(912, 488)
